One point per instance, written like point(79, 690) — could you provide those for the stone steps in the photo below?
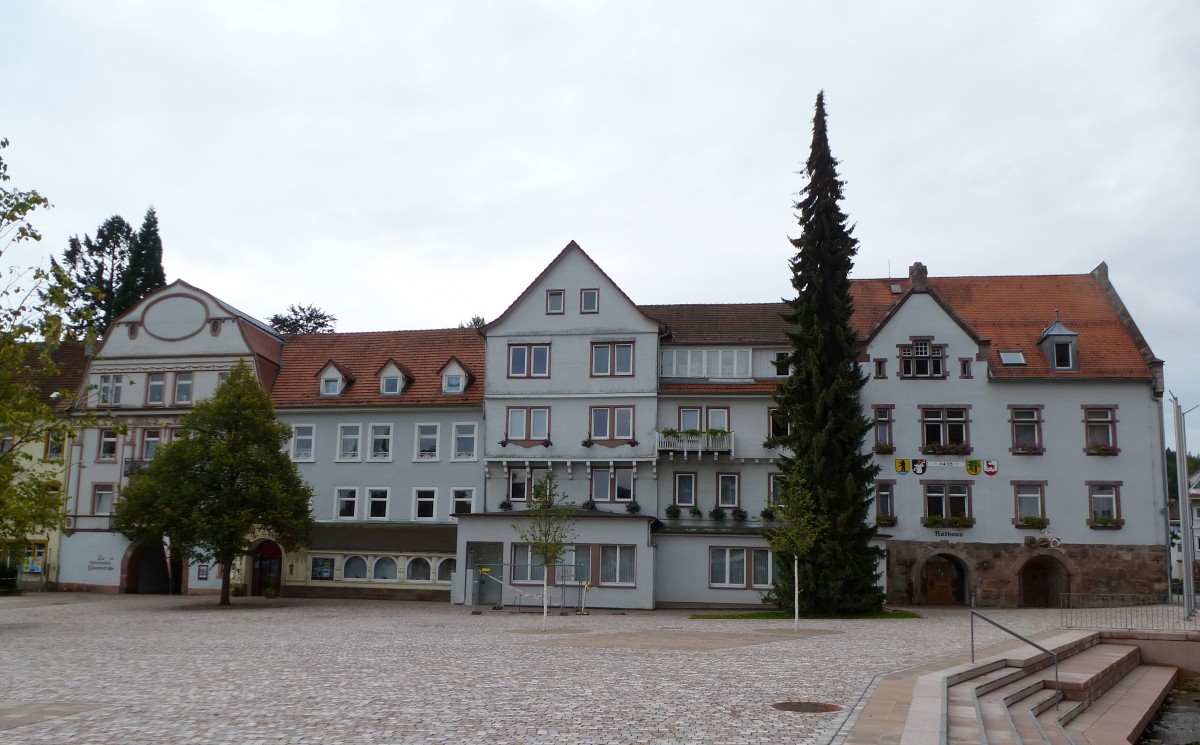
point(1104, 696)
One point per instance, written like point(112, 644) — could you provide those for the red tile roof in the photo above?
point(1011, 312)
point(420, 353)
point(70, 360)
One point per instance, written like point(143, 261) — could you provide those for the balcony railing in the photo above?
point(134, 466)
point(699, 443)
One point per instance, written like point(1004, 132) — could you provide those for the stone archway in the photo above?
point(1043, 581)
point(943, 580)
point(144, 571)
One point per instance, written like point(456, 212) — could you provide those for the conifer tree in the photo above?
point(827, 478)
point(144, 274)
point(96, 266)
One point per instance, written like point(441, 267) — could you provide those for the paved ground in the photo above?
point(128, 670)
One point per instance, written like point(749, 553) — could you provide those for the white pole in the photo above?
point(796, 592)
point(1185, 510)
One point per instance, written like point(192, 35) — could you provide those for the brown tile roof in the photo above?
point(420, 353)
point(70, 359)
point(1011, 312)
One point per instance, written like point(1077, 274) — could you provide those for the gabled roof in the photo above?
point(342, 370)
point(1008, 312)
point(571, 247)
point(70, 362)
point(465, 368)
point(402, 369)
point(419, 354)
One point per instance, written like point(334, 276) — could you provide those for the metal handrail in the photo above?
point(1030, 642)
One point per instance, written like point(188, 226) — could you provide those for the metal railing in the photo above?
point(1126, 611)
point(1030, 642)
point(696, 443)
point(520, 587)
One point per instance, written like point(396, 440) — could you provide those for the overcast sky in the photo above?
point(409, 165)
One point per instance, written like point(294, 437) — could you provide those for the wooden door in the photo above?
point(939, 582)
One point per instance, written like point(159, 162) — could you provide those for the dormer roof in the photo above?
point(341, 370)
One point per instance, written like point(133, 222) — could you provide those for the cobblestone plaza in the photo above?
point(132, 669)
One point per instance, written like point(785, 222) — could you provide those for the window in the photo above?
point(727, 567)
point(574, 566)
point(464, 500)
point(424, 504)
point(883, 429)
point(222, 377)
point(763, 568)
point(385, 568)
point(706, 363)
point(183, 388)
point(156, 388)
point(108, 445)
point(880, 369)
point(527, 566)
point(348, 437)
point(727, 489)
point(54, 445)
point(446, 569)
point(944, 431)
point(521, 482)
point(617, 565)
point(612, 423)
point(554, 302)
point(346, 502)
point(964, 367)
point(110, 390)
point(1104, 504)
point(418, 570)
point(377, 503)
point(589, 301)
point(35, 557)
point(389, 385)
point(774, 488)
point(302, 442)
point(452, 383)
point(885, 501)
point(718, 418)
point(427, 442)
point(612, 359)
point(528, 424)
point(464, 441)
point(322, 569)
point(777, 424)
point(1030, 500)
point(355, 567)
point(782, 363)
point(612, 485)
point(685, 489)
point(1012, 357)
point(150, 441)
point(1064, 355)
point(330, 386)
point(1101, 430)
point(922, 359)
point(102, 499)
point(948, 500)
point(529, 360)
point(381, 442)
point(1026, 423)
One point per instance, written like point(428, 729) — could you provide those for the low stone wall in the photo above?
point(993, 570)
point(364, 593)
point(1180, 649)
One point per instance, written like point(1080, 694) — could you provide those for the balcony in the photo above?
point(134, 466)
point(695, 442)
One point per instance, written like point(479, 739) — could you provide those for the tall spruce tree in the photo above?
point(827, 478)
point(144, 274)
point(96, 267)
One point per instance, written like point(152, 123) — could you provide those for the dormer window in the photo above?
point(1064, 355)
point(331, 386)
point(452, 383)
point(334, 379)
point(1058, 344)
point(393, 377)
point(389, 385)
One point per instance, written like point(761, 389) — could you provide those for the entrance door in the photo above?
point(488, 558)
point(1043, 580)
point(267, 569)
point(940, 581)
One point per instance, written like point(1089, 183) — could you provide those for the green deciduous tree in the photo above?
point(827, 479)
point(144, 273)
point(221, 484)
point(33, 319)
point(303, 319)
point(547, 528)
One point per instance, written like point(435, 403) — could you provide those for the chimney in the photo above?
point(918, 277)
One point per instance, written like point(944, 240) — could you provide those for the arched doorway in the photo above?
point(146, 571)
point(945, 581)
point(266, 569)
point(1043, 581)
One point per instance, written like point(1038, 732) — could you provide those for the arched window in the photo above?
point(385, 568)
point(445, 569)
point(354, 568)
point(418, 570)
